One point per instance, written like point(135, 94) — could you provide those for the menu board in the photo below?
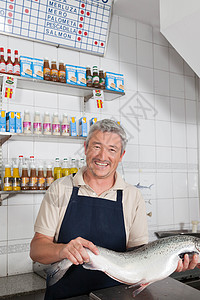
point(78, 24)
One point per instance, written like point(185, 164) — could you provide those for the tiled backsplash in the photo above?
point(159, 113)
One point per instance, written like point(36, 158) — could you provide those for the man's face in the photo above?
point(103, 154)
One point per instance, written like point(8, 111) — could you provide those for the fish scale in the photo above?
point(150, 263)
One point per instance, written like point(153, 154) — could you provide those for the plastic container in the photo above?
point(7, 181)
point(65, 167)
point(49, 176)
point(65, 126)
point(37, 125)
point(47, 124)
point(57, 169)
point(55, 125)
point(27, 123)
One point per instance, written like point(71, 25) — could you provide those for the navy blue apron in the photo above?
point(100, 221)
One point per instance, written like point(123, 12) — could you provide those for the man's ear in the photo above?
point(122, 155)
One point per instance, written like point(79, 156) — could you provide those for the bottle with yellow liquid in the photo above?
point(73, 168)
point(65, 167)
point(57, 169)
point(7, 181)
point(16, 179)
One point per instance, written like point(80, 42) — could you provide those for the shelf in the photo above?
point(4, 136)
point(6, 194)
point(61, 88)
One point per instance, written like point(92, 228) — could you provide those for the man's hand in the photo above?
point(186, 264)
point(75, 250)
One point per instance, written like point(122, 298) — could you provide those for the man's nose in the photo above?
point(103, 153)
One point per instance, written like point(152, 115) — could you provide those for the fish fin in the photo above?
point(140, 289)
point(91, 266)
point(56, 271)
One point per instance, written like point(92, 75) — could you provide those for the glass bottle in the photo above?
point(65, 125)
point(9, 63)
point(73, 167)
point(47, 124)
point(37, 125)
point(2, 61)
point(57, 169)
point(25, 178)
point(54, 71)
point(41, 179)
point(49, 176)
point(46, 70)
point(61, 72)
point(81, 163)
point(55, 125)
point(33, 183)
point(88, 77)
point(65, 167)
point(95, 77)
point(16, 179)
point(27, 122)
point(7, 181)
point(102, 80)
point(21, 159)
point(16, 64)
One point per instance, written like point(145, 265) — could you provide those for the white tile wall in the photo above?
point(159, 113)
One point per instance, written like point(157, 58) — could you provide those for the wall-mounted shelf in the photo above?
point(5, 194)
point(4, 136)
point(61, 88)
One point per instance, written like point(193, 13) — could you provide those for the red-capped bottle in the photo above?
point(16, 64)
point(9, 63)
point(2, 61)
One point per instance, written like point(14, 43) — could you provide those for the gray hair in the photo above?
point(108, 125)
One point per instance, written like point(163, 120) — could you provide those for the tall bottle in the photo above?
point(25, 178)
point(2, 61)
point(16, 64)
point(37, 125)
point(81, 163)
point(54, 71)
point(46, 70)
point(55, 125)
point(95, 77)
point(33, 183)
point(16, 179)
point(7, 181)
point(61, 72)
point(88, 77)
point(46, 124)
point(27, 122)
point(65, 167)
point(20, 159)
point(57, 169)
point(101, 80)
point(41, 179)
point(49, 176)
point(9, 63)
point(73, 167)
point(65, 127)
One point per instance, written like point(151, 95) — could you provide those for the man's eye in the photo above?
point(96, 147)
point(112, 150)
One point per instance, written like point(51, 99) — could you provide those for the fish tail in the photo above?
point(56, 271)
point(140, 289)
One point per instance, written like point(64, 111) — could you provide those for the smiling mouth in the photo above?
point(101, 164)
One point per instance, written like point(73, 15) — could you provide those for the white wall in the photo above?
point(159, 113)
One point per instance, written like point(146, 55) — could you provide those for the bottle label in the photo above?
point(33, 182)
point(46, 128)
point(7, 182)
point(25, 182)
point(37, 127)
point(16, 182)
point(41, 182)
point(56, 128)
point(102, 82)
point(16, 70)
point(65, 129)
point(2, 67)
point(49, 181)
point(95, 80)
point(27, 127)
point(89, 79)
point(9, 68)
point(46, 72)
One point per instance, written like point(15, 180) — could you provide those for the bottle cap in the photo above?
point(9, 51)
point(40, 167)
point(1, 49)
point(61, 62)
point(49, 166)
point(16, 51)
